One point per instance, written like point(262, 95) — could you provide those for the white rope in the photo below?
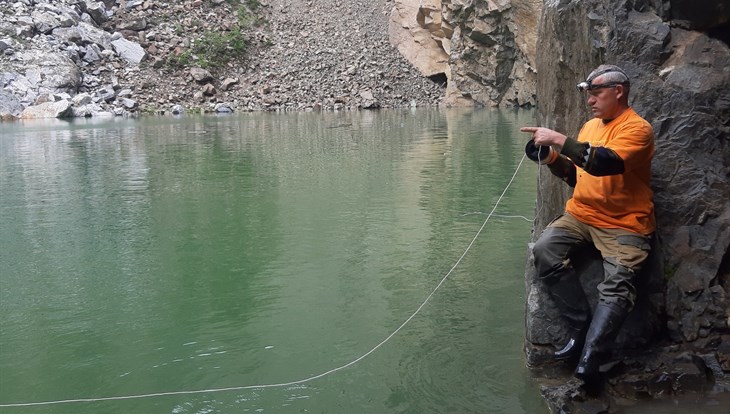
point(285, 384)
point(498, 215)
point(541, 199)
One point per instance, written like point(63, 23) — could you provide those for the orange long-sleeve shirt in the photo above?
point(623, 200)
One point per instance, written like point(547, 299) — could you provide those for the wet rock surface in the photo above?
point(661, 373)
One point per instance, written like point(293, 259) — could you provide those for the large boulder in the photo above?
point(85, 34)
point(38, 72)
point(416, 30)
point(58, 109)
point(130, 51)
point(10, 106)
point(97, 10)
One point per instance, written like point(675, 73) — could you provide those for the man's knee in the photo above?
point(550, 254)
point(618, 284)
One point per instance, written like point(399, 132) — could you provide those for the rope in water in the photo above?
point(301, 381)
point(500, 215)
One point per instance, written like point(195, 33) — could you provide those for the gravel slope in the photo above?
point(324, 54)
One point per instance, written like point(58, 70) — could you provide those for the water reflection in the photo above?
point(195, 252)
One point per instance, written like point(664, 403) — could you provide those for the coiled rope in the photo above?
point(301, 381)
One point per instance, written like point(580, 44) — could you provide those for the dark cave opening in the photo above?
point(721, 33)
point(439, 79)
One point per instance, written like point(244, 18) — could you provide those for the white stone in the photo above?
point(130, 51)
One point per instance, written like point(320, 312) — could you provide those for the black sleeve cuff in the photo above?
point(576, 151)
point(564, 169)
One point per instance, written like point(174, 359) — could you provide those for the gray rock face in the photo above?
point(700, 14)
point(680, 83)
point(9, 105)
point(37, 73)
point(489, 47)
point(493, 50)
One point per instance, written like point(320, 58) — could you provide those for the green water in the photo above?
point(164, 255)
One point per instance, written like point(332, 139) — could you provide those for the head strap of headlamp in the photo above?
point(588, 85)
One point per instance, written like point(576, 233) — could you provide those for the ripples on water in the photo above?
point(196, 253)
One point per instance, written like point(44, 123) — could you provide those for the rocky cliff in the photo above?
point(677, 55)
point(484, 49)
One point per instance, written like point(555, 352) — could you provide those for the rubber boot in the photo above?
point(605, 325)
point(563, 285)
point(568, 296)
point(573, 347)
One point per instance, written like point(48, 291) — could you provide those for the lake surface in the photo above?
point(206, 258)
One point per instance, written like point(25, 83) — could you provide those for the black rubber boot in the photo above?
point(568, 296)
point(554, 270)
point(605, 325)
point(573, 347)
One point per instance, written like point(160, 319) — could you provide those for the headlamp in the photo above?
point(584, 86)
point(587, 86)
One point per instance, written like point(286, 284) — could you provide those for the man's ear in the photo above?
point(620, 92)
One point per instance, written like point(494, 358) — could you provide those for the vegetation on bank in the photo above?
point(219, 47)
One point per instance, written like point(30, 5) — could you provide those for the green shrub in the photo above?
point(182, 60)
point(243, 16)
point(214, 48)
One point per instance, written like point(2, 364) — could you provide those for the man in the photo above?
point(611, 207)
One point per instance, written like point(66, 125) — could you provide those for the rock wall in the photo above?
point(486, 49)
point(676, 54)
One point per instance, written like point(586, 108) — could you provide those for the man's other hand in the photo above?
point(544, 136)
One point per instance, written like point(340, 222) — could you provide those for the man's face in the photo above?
point(604, 102)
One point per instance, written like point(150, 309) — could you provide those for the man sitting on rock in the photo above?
point(611, 208)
